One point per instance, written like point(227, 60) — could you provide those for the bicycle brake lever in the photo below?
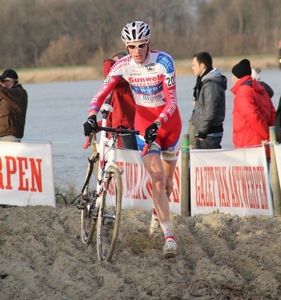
point(146, 147)
point(87, 143)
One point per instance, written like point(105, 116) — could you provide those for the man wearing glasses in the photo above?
point(13, 106)
point(151, 75)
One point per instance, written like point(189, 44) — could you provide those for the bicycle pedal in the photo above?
point(86, 198)
point(110, 224)
point(81, 204)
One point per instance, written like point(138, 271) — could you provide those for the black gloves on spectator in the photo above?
point(150, 133)
point(201, 135)
point(90, 125)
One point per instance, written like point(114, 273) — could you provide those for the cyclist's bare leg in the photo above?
point(169, 169)
point(154, 166)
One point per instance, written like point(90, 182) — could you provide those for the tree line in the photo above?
point(46, 33)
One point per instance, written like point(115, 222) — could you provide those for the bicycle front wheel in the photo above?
point(109, 215)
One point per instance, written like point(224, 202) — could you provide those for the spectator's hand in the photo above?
point(201, 136)
point(150, 133)
point(90, 125)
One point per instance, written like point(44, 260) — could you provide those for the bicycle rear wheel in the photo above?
point(88, 224)
point(88, 214)
point(109, 215)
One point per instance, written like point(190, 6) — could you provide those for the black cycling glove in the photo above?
point(150, 133)
point(90, 125)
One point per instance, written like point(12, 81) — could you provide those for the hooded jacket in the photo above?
point(13, 106)
point(253, 113)
point(209, 111)
point(121, 100)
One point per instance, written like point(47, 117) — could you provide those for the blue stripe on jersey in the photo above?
point(166, 61)
point(95, 107)
point(147, 90)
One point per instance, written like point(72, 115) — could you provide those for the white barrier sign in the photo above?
point(26, 174)
point(231, 181)
point(137, 187)
point(277, 150)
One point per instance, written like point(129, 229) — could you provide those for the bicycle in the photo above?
point(101, 196)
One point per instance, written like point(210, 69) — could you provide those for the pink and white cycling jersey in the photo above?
point(153, 83)
point(154, 89)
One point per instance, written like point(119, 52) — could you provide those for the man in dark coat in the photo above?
point(13, 106)
point(209, 97)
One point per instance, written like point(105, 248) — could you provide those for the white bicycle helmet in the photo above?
point(135, 31)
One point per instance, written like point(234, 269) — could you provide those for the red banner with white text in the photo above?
point(26, 174)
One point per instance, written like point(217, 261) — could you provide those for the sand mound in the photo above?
point(220, 257)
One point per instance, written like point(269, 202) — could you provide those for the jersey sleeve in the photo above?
point(106, 88)
point(169, 86)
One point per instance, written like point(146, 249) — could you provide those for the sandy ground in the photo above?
point(219, 257)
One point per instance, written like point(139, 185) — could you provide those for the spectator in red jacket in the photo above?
point(123, 105)
point(253, 110)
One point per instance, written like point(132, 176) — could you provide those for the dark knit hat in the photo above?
point(243, 68)
point(9, 74)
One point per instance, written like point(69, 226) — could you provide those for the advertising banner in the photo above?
point(26, 174)
point(230, 181)
point(137, 187)
point(277, 150)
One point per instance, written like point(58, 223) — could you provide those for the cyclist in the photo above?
point(151, 75)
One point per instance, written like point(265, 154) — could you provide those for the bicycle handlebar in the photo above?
point(119, 131)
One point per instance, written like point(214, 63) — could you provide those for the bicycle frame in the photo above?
point(111, 144)
point(101, 194)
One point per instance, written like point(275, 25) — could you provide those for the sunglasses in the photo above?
point(134, 47)
point(5, 80)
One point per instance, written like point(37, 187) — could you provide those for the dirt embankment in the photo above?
point(219, 257)
point(183, 67)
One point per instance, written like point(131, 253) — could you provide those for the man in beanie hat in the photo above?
point(253, 110)
point(242, 69)
point(13, 106)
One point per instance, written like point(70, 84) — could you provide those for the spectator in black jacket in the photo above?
point(13, 106)
point(209, 96)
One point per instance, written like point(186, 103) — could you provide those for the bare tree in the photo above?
point(88, 31)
